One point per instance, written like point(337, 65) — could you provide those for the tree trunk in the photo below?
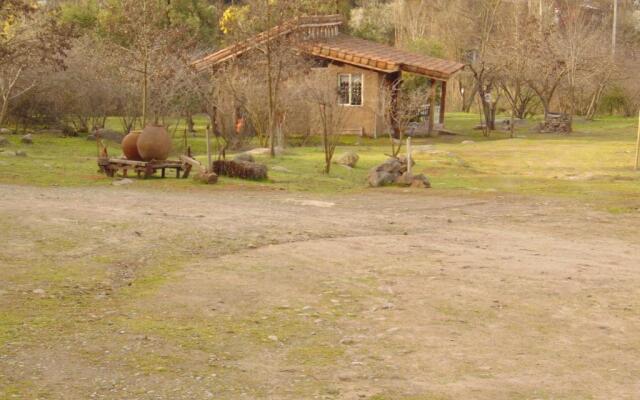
point(3, 110)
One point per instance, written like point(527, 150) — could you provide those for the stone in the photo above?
point(4, 131)
point(273, 338)
point(279, 168)
point(208, 178)
point(349, 159)
point(27, 139)
point(21, 153)
point(108, 134)
point(405, 179)
point(91, 137)
point(420, 181)
point(8, 153)
point(246, 157)
point(38, 291)
point(380, 178)
point(123, 182)
point(468, 142)
point(4, 141)
point(262, 151)
point(392, 166)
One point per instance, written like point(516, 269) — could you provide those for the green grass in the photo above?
point(594, 164)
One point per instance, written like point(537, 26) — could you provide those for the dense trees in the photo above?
point(130, 57)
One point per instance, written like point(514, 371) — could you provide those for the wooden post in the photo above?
point(638, 146)
point(432, 103)
point(443, 102)
point(409, 155)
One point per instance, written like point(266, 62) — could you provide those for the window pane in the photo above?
point(343, 89)
point(356, 90)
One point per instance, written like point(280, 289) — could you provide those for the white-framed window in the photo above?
point(350, 89)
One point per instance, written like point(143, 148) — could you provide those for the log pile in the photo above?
point(240, 169)
point(556, 123)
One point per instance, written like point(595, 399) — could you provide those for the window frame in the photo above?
point(350, 89)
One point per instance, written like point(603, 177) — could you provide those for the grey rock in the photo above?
point(246, 157)
point(468, 142)
point(122, 182)
point(7, 153)
point(405, 179)
point(261, 151)
point(4, 141)
point(4, 131)
point(21, 153)
point(349, 159)
point(380, 178)
point(279, 168)
point(27, 139)
point(108, 134)
point(421, 181)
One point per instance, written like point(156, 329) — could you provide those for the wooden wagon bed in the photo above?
point(111, 166)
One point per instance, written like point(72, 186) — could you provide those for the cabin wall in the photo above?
point(368, 118)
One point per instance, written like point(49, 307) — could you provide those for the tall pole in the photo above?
point(638, 146)
point(615, 27)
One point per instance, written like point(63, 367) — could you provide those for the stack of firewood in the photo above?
point(240, 169)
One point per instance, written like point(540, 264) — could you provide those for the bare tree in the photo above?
point(29, 40)
point(324, 95)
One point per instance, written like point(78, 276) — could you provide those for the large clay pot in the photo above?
point(154, 143)
point(130, 146)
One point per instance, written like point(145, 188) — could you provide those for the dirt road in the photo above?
point(121, 293)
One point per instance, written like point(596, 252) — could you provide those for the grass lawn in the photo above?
point(594, 164)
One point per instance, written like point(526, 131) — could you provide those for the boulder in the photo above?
point(380, 178)
point(4, 141)
point(208, 178)
point(4, 131)
point(349, 159)
point(21, 153)
point(420, 181)
point(27, 139)
point(108, 134)
point(247, 157)
point(392, 166)
point(394, 171)
point(405, 179)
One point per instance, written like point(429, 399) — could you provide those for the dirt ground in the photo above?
point(122, 293)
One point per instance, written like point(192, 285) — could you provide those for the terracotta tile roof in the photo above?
point(324, 41)
point(372, 55)
point(322, 23)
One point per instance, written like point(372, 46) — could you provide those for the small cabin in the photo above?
point(361, 69)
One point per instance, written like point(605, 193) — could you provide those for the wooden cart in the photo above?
point(144, 169)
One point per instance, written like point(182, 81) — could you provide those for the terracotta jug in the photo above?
point(154, 143)
point(130, 146)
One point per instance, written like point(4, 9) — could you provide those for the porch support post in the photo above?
point(443, 101)
point(432, 105)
